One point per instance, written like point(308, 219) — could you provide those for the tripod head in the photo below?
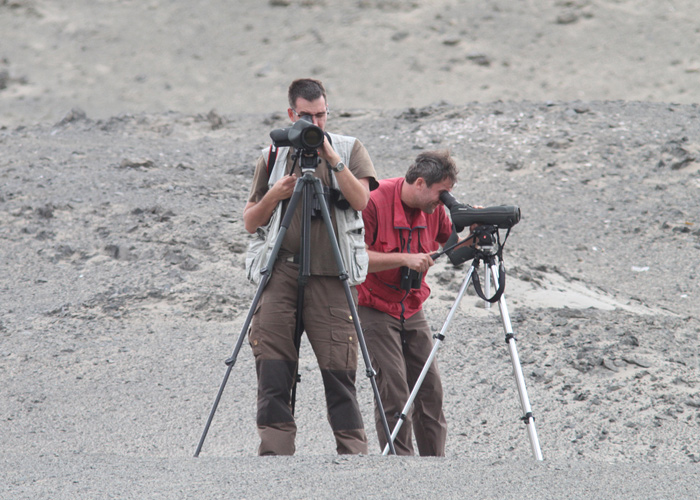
point(486, 243)
point(488, 248)
point(308, 159)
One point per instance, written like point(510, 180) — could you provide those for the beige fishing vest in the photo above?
point(350, 226)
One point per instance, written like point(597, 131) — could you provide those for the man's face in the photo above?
point(428, 197)
point(316, 111)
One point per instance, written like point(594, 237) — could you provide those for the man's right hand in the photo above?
point(258, 214)
point(420, 262)
point(283, 188)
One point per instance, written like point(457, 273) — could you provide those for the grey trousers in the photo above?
point(398, 353)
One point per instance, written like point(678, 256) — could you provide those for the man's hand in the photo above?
point(258, 214)
point(420, 262)
point(356, 191)
point(327, 152)
point(382, 261)
point(283, 188)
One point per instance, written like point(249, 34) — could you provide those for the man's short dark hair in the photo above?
point(432, 166)
point(306, 88)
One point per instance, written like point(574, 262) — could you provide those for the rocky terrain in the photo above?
point(124, 291)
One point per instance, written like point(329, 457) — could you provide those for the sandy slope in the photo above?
point(110, 57)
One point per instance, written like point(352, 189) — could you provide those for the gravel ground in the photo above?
point(129, 131)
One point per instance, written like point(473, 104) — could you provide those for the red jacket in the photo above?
point(387, 229)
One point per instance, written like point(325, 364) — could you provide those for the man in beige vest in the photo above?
point(326, 315)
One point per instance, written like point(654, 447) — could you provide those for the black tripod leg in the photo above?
point(213, 410)
point(265, 277)
point(302, 280)
point(371, 373)
point(528, 417)
point(353, 310)
point(298, 331)
point(232, 361)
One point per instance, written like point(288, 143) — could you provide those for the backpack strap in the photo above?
point(271, 158)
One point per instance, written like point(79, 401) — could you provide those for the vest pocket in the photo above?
point(352, 245)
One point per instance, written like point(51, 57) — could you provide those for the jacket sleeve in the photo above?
point(369, 216)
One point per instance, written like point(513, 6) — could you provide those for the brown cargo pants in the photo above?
point(398, 355)
point(331, 333)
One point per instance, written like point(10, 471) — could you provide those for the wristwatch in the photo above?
point(338, 167)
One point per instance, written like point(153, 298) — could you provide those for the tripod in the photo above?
point(306, 186)
point(491, 264)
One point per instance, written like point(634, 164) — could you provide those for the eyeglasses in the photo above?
point(318, 116)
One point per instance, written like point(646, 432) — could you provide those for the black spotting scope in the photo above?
point(501, 216)
point(302, 135)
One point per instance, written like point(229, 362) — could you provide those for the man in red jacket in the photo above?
point(405, 222)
